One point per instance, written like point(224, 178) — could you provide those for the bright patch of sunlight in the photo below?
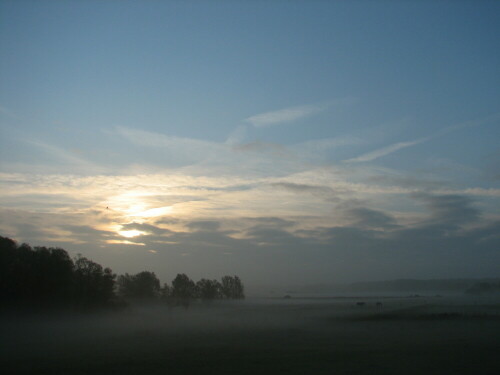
point(130, 233)
point(139, 204)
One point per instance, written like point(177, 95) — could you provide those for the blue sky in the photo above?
point(270, 123)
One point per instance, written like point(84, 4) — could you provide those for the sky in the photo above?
point(287, 142)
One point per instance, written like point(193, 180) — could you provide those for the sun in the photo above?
point(139, 207)
point(139, 204)
point(131, 233)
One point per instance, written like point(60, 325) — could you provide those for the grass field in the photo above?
point(296, 336)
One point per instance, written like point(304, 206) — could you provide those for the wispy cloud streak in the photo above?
point(385, 151)
point(370, 156)
point(284, 115)
point(152, 139)
point(295, 113)
point(66, 156)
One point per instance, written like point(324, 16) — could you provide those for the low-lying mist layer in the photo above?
point(343, 336)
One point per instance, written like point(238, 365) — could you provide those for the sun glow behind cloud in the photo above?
point(136, 207)
point(253, 195)
point(181, 209)
point(131, 233)
point(154, 212)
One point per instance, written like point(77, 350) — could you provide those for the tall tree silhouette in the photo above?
point(93, 285)
point(142, 285)
point(183, 290)
point(208, 289)
point(40, 276)
point(232, 287)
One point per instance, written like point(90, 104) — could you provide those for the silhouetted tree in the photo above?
point(53, 274)
point(142, 285)
point(208, 289)
point(93, 285)
point(166, 295)
point(49, 277)
point(7, 256)
point(166, 291)
point(232, 287)
point(183, 289)
point(40, 276)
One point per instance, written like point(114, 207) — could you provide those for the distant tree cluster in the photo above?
point(182, 291)
point(48, 277)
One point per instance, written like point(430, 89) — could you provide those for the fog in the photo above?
point(381, 335)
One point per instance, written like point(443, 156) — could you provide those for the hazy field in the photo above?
point(297, 336)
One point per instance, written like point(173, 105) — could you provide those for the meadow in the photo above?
point(400, 335)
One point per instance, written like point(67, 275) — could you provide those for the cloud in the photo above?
point(67, 157)
point(292, 114)
point(204, 225)
point(373, 155)
point(40, 202)
point(323, 144)
point(86, 233)
point(370, 156)
point(269, 221)
point(320, 191)
point(449, 210)
point(406, 181)
point(371, 245)
point(271, 236)
point(495, 117)
point(237, 135)
point(368, 218)
point(198, 157)
point(273, 149)
point(490, 192)
point(165, 142)
point(147, 229)
point(284, 115)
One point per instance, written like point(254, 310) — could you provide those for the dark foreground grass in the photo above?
point(249, 339)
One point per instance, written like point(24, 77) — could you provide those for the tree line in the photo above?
point(49, 277)
point(182, 290)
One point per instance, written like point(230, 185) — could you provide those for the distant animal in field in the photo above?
point(360, 303)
